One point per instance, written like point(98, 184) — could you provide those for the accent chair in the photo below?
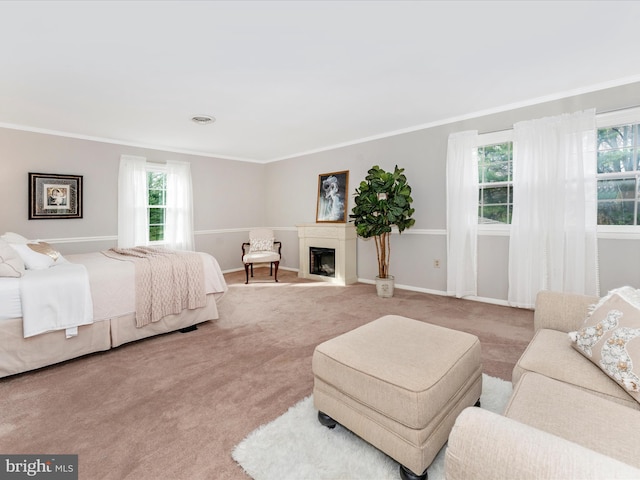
point(261, 248)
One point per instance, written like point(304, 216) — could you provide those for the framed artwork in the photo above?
point(332, 197)
point(54, 196)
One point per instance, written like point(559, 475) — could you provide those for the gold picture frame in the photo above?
point(333, 195)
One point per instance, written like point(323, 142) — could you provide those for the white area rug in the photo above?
point(296, 446)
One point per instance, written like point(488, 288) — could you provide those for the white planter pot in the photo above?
point(384, 286)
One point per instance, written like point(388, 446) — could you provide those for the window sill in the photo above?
point(604, 232)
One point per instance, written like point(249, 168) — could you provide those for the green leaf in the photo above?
point(375, 217)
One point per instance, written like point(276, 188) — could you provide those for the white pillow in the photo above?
point(37, 255)
point(11, 237)
point(261, 245)
point(11, 265)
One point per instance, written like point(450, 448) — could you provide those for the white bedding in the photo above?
point(112, 285)
point(10, 305)
point(56, 298)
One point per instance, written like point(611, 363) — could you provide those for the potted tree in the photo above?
point(383, 200)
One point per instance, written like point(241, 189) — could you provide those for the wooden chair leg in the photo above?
point(276, 264)
point(252, 270)
point(246, 272)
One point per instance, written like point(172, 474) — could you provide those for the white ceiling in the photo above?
point(285, 78)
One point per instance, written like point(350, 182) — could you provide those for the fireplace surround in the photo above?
point(324, 237)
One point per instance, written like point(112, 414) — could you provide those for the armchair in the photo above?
point(261, 248)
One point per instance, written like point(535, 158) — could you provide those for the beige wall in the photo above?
point(423, 155)
point(230, 197)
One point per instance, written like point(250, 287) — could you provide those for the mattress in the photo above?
point(112, 285)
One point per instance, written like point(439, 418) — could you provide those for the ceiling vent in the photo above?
point(203, 119)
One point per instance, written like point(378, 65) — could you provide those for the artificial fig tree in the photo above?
point(382, 200)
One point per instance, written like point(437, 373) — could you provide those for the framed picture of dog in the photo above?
point(332, 197)
point(54, 196)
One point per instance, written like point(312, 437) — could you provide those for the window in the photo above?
point(495, 177)
point(618, 175)
point(156, 203)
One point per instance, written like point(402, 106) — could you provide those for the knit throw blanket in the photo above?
point(167, 281)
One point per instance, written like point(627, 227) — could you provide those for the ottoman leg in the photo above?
point(406, 474)
point(326, 420)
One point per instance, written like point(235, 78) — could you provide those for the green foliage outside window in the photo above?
point(156, 201)
point(495, 171)
point(618, 169)
point(618, 175)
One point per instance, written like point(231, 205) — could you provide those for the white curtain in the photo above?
point(462, 214)
point(553, 243)
point(179, 213)
point(132, 202)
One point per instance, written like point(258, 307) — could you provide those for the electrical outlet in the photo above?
point(436, 264)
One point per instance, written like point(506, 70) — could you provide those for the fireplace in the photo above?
point(328, 252)
point(322, 261)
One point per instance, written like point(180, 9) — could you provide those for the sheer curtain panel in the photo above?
point(462, 214)
point(553, 242)
point(132, 202)
point(179, 212)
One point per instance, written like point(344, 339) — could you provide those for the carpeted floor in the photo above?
point(174, 406)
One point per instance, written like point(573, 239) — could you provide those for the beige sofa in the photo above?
point(566, 418)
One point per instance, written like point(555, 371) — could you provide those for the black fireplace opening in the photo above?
point(322, 261)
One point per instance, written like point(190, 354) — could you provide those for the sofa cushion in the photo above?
point(561, 311)
point(610, 338)
point(518, 451)
point(550, 354)
point(575, 415)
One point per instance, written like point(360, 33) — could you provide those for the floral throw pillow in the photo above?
point(261, 245)
point(610, 338)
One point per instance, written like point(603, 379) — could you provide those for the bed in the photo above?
point(113, 283)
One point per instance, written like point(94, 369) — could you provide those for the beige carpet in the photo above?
point(174, 406)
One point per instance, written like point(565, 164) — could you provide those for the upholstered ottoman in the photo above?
point(399, 384)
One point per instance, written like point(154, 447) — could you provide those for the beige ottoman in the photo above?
point(399, 384)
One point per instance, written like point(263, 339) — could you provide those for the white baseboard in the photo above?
point(411, 288)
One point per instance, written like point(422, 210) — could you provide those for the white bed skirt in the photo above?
point(123, 329)
point(19, 354)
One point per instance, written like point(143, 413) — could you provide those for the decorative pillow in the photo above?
point(37, 255)
point(610, 337)
point(11, 265)
point(14, 238)
point(261, 245)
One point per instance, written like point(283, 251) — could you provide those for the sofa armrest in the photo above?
point(561, 311)
point(483, 444)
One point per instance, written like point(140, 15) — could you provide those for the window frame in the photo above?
point(603, 120)
point(162, 169)
point(484, 140)
point(628, 116)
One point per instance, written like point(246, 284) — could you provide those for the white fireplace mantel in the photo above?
point(339, 236)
